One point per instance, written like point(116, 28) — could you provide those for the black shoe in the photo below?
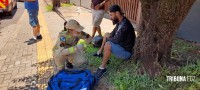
point(98, 55)
point(32, 41)
point(39, 37)
point(99, 73)
point(29, 40)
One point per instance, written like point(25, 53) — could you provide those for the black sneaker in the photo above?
point(29, 40)
point(32, 41)
point(99, 73)
point(98, 55)
point(39, 37)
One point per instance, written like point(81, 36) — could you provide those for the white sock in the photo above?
point(34, 37)
point(38, 34)
point(98, 52)
point(101, 67)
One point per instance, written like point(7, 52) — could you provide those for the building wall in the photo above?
point(86, 3)
point(83, 3)
point(130, 8)
point(75, 2)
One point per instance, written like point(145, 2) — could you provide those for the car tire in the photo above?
point(15, 6)
point(10, 13)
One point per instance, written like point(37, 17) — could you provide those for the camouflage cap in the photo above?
point(73, 24)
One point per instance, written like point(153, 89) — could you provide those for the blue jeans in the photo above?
point(33, 17)
point(119, 51)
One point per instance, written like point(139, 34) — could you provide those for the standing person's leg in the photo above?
point(32, 23)
point(94, 29)
point(97, 19)
point(33, 15)
point(99, 30)
point(37, 31)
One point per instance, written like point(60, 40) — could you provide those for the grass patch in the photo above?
point(49, 8)
point(122, 74)
point(180, 47)
point(66, 5)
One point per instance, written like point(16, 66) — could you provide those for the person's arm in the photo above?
point(81, 45)
point(86, 36)
point(119, 36)
point(101, 4)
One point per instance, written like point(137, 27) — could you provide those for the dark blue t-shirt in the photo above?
point(31, 5)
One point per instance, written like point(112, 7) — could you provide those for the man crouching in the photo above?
point(69, 48)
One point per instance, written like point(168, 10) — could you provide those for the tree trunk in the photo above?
point(160, 21)
point(56, 3)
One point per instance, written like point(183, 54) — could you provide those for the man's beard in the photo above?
point(115, 20)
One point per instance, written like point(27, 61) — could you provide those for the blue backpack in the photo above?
point(72, 80)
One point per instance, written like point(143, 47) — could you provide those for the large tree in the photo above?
point(159, 23)
point(56, 3)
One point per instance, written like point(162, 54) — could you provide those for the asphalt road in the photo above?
point(190, 28)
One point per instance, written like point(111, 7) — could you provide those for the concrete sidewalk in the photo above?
point(22, 66)
point(16, 57)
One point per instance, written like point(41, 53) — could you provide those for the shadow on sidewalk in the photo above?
point(37, 81)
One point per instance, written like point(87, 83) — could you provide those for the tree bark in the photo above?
point(56, 3)
point(159, 23)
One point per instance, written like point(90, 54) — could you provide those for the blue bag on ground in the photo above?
point(72, 80)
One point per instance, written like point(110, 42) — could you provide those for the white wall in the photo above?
point(76, 2)
point(86, 3)
point(83, 3)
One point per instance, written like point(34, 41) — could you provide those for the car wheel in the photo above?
point(10, 13)
point(15, 6)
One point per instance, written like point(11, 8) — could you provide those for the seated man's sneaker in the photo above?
point(98, 55)
point(99, 73)
point(39, 37)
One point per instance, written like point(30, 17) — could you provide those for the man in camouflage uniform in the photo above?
point(70, 46)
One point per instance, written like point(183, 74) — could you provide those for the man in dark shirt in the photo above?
point(119, 42)
point(98, 10)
